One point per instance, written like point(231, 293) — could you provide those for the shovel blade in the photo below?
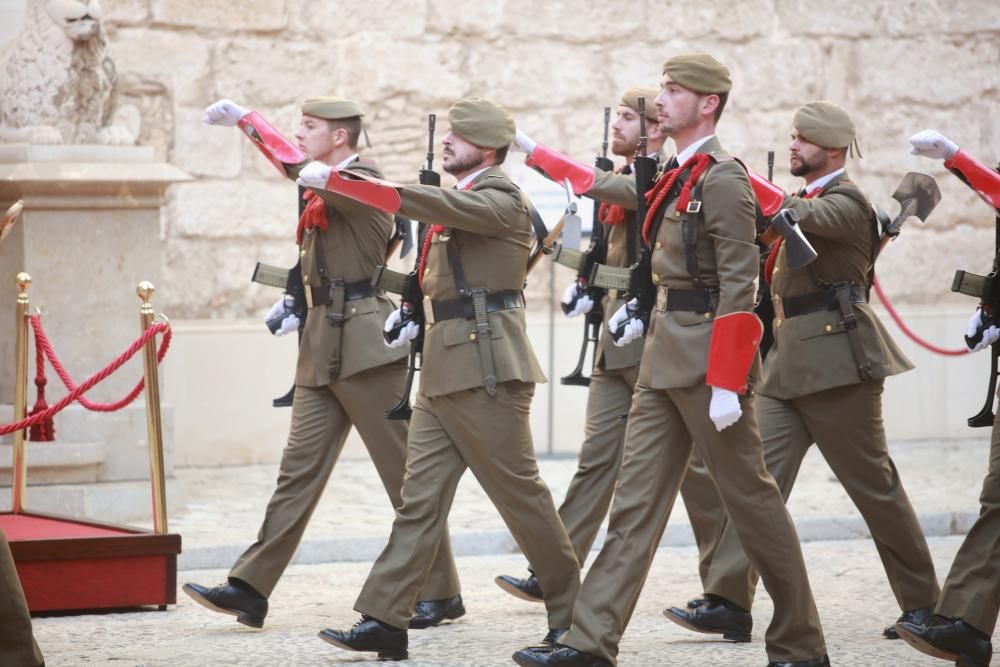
point(918, 194)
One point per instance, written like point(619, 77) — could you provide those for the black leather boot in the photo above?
point(949, 639)
point(921, 616)
point(430, 613)
point(715, 616)
point(526, 589)
point(370, 635)
point(236, 598)
point(823, 661)
point(560, 656)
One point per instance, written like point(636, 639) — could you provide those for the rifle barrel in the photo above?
point(431, 122)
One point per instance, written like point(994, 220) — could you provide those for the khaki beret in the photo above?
point(331, 108)
point(630, 99)
point(699, 72)
point(482, 122)
point(826, 124)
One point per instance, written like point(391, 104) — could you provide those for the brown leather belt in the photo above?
point(453, 309)
point(323, 295)
point(688, 300)
point(814, 302)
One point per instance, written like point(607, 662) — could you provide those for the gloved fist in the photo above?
point(224, 113)
point(624, 326)
point(399, 329)
point(314, 175)
point(933, 144)
point(724, 410)
point(281, 319)
point(981, 332)
point(576, 301)
point(523, 142)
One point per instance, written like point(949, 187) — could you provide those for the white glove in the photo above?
point(224, 113)
point(409, 331)
point(289, 323)
point(933, 144)
point(580, 301)
point(986, 337)
point(724, 410)
point(633, 325)
point(314, 175)
point(523, 142)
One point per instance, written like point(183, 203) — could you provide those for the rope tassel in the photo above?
point(45, 429)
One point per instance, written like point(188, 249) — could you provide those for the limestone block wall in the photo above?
point(899, 65)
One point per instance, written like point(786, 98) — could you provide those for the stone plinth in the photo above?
point(90, 231)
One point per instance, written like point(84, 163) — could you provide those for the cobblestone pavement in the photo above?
point(354, 517)
point(850, 588)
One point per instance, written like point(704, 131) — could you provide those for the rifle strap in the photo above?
point(484, 337)
point(692, 217)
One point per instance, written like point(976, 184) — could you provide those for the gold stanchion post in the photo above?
point(20, 392)
point(153, 423)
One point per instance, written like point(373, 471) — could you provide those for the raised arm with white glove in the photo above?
point(224, 113)
point(279, 151)
point(314, 175)
point(983, 179)
point(932, 144)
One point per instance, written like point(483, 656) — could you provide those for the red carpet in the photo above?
point(79, 565)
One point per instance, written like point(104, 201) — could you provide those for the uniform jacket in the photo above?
point(812, 352)
point(489, 224)
point(676, 350)
point(353, 246)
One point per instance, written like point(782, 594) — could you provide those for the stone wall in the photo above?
point(898, 65)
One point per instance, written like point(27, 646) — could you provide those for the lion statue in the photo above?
point(58, 84)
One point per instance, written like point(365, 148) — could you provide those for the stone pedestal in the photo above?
point(90, 231)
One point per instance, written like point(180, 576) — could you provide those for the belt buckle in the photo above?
point(694, 206)
point(428, 310)
point(661, 298)
point(309, 296)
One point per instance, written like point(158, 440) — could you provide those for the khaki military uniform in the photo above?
point(813, 392)
point(612, 383)
point(345, 376)
point(669, 416)
point(456, 423)
point(17, 645)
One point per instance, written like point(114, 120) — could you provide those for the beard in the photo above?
point(809, 166)
point(458, 165)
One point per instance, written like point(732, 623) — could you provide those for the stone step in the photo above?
point(56, 462)
point(115, 502)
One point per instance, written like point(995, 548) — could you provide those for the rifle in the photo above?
point(411, 295)
point(290, 282)
point(594, 254)
point(987, 289)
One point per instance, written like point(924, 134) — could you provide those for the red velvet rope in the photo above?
point(77, 392)
point(956, 352)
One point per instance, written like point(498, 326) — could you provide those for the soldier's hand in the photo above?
point(314, 175)
point(933, 144)
point(281, 319)
point(399, 329)
point(225, 113)
point(576, 301)
point(981, 332)
point(624, 326)
point(523, 142)
point(724, 410)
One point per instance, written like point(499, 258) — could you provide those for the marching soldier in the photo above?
point(966, 613)
point(17, 644)
point(344, 377)
point(477, 379)
point(613, 381)
point(823, 382)
point(698, 365)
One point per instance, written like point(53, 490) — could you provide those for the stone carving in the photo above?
point(58, 83)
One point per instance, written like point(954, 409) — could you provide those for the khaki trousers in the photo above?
point(972, 589)
point(492, 437)
point(846, 425)
point(321, 420)
point(661, 429)
point(17, 644)
point(589, 495)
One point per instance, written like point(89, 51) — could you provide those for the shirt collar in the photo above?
point(464, 183)
point(346, 162)
point(686, 154)
point(822, 181)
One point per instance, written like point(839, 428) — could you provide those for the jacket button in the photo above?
point(656, 277)
point(611, 245)
point(354, 311)
point(829, 328)
point(302, 253)
point(659, 245)
point(305, 280)
point(777, 323)
point(472, 336)
point(708, 315)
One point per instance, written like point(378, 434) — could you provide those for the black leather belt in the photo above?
point(803, 304)
point(453, 309)
point(689, 300)
point(361, 289)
